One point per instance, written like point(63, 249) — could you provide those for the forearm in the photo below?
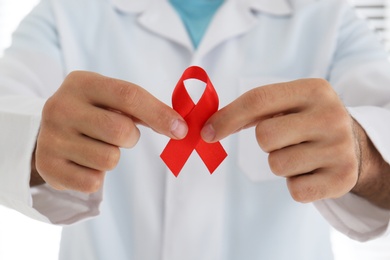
point(374, 178)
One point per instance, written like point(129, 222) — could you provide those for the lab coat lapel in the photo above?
point(162, 19)
point(159, 17)
point(235, 17)
point(230, 20)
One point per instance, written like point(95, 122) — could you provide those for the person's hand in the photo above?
point(305, 128)
point(86, 122)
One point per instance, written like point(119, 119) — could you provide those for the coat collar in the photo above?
point(159, 17)
point(275, 7)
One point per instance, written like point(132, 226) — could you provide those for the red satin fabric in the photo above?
point(177, 152)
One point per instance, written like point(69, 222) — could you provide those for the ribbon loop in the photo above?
point(177, 152)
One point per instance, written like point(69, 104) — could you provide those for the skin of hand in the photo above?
point(311, 139)
point(86, 122)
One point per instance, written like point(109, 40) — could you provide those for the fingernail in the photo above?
point(179, 128)
point(208, 133)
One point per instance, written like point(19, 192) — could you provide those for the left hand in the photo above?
point(308, 133)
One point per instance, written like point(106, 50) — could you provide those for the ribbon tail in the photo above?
point(175, 155)
point(212, 154)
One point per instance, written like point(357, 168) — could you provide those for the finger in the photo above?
point(91, 153)
point(113, 128)
point(66, 175)
point(300, 159)
point(133, 101)
point(264, 102)
point(321, 184)
point(286, 130)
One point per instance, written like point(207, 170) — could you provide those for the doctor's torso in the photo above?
point(242, 211)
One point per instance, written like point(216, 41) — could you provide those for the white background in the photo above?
point(22, 238)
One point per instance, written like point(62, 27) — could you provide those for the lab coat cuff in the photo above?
point(65, 207)
point(21, 115)
point(355, 217)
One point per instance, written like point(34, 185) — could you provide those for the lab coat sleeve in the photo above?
point(30, 71)
point(361, 74)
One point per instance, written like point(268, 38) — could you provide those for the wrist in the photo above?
point(374, 173)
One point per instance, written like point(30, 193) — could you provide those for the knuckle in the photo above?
point(74, 74)
point(105, 120)
point(45, 161)
point(75, 79)
point(337, 122)
point(277, 166)
point(342, 182)
point(285, 163)
point(346, 164)
point(56, 109)
point(109, 158)
point(163, 118)
point(120, 132)
point(83, 77)
point(302, 195)
point(51, 109)
point(320, 82)
point(264, 136)
point(348, 175)
point(118, 129)
point(299, 196)
point(344, 124)
point(91, 183)
point(128, 95)
point(133, 137)
point(337, 111)
point(302, 192)
point(49, 171)
point(256, 98)
point(319, 89)
point(127, 135)
point(42, 166)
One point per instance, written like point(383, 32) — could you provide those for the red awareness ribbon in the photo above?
point(177, 152)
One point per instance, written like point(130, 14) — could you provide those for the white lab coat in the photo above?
point(143, 212)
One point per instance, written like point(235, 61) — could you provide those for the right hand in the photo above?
point(86, 122)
